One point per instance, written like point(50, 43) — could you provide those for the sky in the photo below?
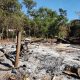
point(72, 6)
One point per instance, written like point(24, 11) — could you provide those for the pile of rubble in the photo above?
point(40, 62)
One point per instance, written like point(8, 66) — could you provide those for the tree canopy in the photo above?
point(42, 22)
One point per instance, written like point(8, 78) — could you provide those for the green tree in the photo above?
point(62, 29)
point(30, 4)
point(10, 15)
point(75, 28)
point(43, 18)
point(59, 26)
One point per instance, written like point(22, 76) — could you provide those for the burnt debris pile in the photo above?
point(40, 62)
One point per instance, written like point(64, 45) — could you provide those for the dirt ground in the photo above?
point(6, 41)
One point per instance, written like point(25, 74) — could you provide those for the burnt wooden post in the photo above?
point(18, 48)
point(78, 71)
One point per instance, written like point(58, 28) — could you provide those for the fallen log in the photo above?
point(69, 73)
point(78, 72)
point(74, 40)
point(38, 40)
point(61, 40)
point(72, 71)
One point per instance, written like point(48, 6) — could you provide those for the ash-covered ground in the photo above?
point(42, 61)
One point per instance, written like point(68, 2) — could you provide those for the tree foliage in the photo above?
point(42, 22)
point(10, 13)
point(75, 28)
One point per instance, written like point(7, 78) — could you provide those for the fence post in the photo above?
point(18, 49)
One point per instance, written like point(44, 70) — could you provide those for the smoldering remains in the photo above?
point(41, 62)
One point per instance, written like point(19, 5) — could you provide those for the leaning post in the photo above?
point(18, 48)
